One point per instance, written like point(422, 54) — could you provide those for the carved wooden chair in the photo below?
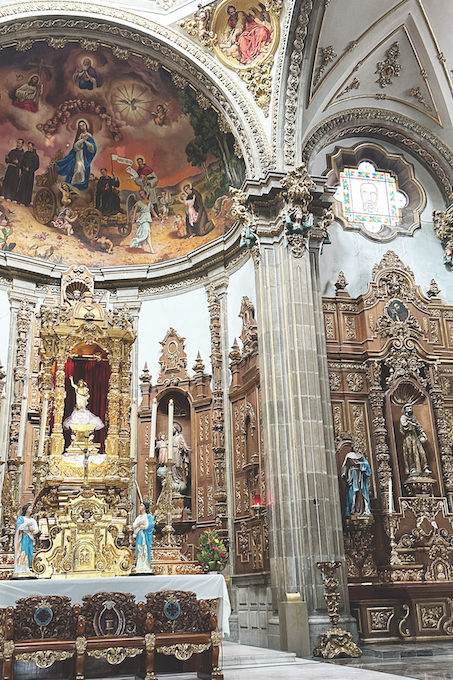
point(40, 628)
point(180, 625)
point(111, 626)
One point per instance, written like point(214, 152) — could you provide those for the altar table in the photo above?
point(205, 586)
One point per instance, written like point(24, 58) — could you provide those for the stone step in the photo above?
point(233, 655)
point(404, 651)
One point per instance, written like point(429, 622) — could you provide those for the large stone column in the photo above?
point(304, 507)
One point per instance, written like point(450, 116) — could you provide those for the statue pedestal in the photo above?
point(419, 485)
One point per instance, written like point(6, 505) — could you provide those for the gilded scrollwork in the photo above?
point(44, 658)
point(183, 650)
point(115, 655)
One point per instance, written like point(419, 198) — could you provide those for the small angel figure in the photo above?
point(162, 448)
point(160, 114)
point(65, 220)
point(66, 194)
point(179, 225)
point(201, 17)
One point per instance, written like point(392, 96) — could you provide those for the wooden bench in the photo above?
point(112, 626)
point(40, 628)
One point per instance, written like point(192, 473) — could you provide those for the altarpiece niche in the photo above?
point(390, 355)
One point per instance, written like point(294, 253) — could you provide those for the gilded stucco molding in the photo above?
point(427, 147)
point(278, 75)
point(168, 43)
point(293, 82)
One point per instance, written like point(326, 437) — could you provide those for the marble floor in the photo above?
point(386, 662)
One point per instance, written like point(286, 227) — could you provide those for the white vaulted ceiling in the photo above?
point(391, 55)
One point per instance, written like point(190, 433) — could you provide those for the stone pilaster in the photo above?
point(303, 499)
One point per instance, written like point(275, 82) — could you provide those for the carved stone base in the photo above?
point(336, 642)
point(419, 485)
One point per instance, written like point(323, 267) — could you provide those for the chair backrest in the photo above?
point(178, 611)
point(44, 616)
point(112, 614)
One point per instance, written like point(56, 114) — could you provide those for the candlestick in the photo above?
point(391, 507)
point(43, 425)
point(171, 407)
point(133, 428)
point(152, 437)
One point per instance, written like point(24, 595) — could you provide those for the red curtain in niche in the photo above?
point(97, 375)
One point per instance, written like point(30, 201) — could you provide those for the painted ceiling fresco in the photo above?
point(108, 162)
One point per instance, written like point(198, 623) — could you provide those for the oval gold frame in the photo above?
point(243, 5)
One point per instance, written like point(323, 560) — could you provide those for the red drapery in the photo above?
point(97, 375)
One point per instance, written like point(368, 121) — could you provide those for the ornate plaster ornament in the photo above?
point(353, 85)
point(327, 55)
point(415, 138)
point(389, 68)
point(417, 93)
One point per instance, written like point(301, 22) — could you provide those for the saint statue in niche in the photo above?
point(26, 530)
point(143, 531)
point(181, 451)
point(414, 436)
point(81, 417)
point(356, 472)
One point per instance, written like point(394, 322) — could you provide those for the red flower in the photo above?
point(222, 554)
point(215, 547)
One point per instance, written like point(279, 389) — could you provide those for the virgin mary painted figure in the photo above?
point(75, 167)
point(143, 531)
point(26, 529)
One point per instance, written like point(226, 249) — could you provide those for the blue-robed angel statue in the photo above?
point(26, 529)
point(76, 166)
point(143, 532)
point(356, 472)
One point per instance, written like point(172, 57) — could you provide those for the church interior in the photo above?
point(226, 377)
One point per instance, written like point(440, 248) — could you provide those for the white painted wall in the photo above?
point(188, 314)
point(241, 283)
point(355, 254)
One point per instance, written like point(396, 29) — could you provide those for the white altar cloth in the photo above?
point(206, 587)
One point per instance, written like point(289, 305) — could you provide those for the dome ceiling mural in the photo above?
point(109, 160)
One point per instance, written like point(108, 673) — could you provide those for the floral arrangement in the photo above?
point(212, 552)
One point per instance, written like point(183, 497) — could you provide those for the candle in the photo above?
point(152, 438)
point(171, 408)
point(391, 508)
point(133, 428)
point(43, 425)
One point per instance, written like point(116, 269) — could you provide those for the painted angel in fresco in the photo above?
point(160, 114)
point(27, 96)
point(85, 76)
point(75, 167)
point(244, 37)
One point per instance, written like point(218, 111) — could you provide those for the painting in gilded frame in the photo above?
point(247, 33)
point(107, 162)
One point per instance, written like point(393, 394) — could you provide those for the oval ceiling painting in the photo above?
point(107, 162)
